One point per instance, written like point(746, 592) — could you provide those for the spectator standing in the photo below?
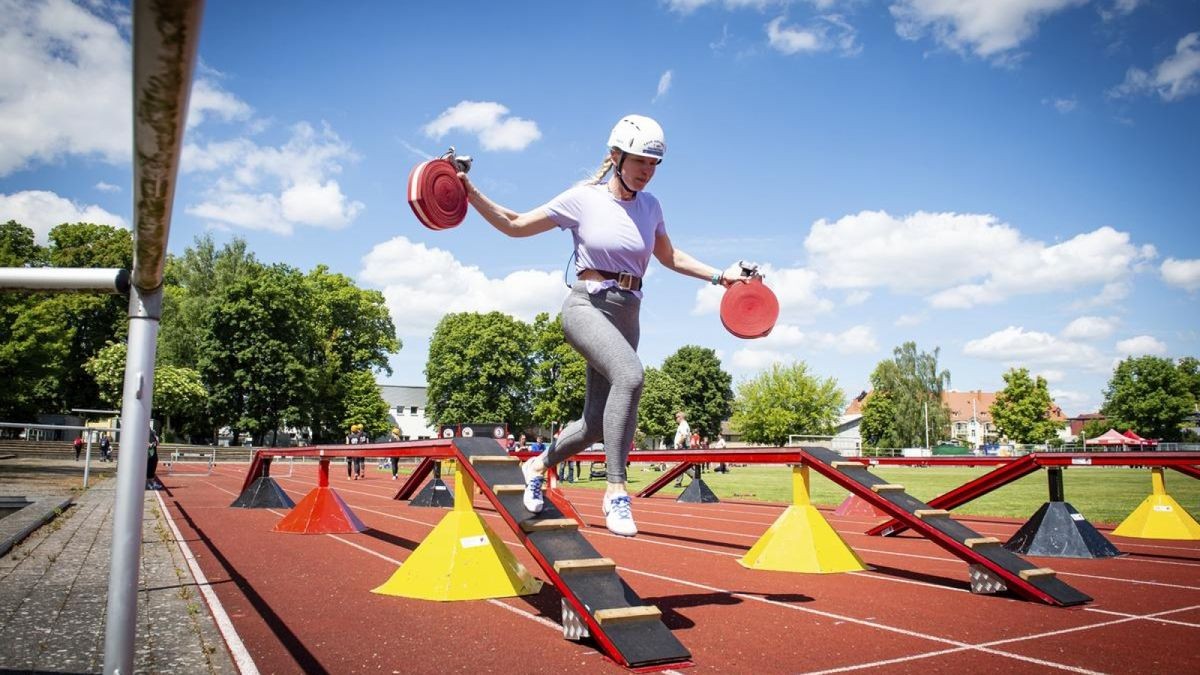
point(355, 465)
point(152, 461)
point(78, 445)
point(394, 461)
point(683, 436)
point(720, 445)
point(105, 447)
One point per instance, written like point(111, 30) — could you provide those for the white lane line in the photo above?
point(241, 656)
point(958, 646)
point(1156, 617)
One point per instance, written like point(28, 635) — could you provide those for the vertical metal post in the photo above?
point(87, 458)
point(1055, 477)
point(800, 485)
point(145, 310)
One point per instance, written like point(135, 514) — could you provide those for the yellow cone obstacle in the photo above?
point(800, 540)
point(461, 559)
point(1159, 516)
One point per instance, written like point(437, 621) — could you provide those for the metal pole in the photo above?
point(926, 425)
point(65, 279)
point(137, 396)
point(165, 40)
point(87, 459)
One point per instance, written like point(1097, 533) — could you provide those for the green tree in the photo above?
point(257, 359)
point(1022, 408)
point(365, 404)
point(192, 283)
point(786, 400)
point(90, 245)
point(662, 397)
point(913, 385)
point(178, 392)
point(878, 427)
point(355, 335)
point(479, 369)
point(559, 374)
point(1189, 366)
point(706, 388)
point(18, 247)
point(1148, 394)
point(1094, 428)
point(33, 349)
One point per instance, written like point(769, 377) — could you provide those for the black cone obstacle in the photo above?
point(697, 492)
point(435, 494)
point(1058, 530)
point(263, 493)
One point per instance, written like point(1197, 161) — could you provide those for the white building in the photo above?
point(406, 406)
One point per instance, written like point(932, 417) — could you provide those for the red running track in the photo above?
point(303, 602)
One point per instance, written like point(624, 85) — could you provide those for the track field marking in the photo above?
point(958, 646)
point(241, 656)
point(1157, 616)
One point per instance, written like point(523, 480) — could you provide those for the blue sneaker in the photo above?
point(534, 481)
point(618, 515)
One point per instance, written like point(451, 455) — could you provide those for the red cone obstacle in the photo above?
point(853, 505)
point(321, 511)
point(749, 309)
point(436, 195)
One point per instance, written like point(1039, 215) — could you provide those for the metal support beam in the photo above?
point(64, 279)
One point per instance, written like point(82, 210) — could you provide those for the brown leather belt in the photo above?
point(625, 280)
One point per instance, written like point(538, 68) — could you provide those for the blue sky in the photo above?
point(1015, 183)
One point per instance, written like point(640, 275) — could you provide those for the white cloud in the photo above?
point(905, 320)
point(57, 57)
point(857, 297)
point(1062, 105)
point(107, 187)
point(855, 340)
point(1051, 375)
point(209, 99)
point(1141, 346)
point(422, 284)
point(1176, 77)
point(689, 6)
point(1090, 327)
point(1074, 402)
point(274, 188)
point(965, 260)
point(759, 359)
point(1016, 346)
point(41, 211)
point(823, 33)
point(1119, 9)
point(1182, 273)
point(489, 122)
point(664, 85)
point(795, 288)
point(988, 28)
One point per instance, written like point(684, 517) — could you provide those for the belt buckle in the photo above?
point(625, 281)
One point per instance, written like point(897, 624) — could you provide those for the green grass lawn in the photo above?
point(1101, 494)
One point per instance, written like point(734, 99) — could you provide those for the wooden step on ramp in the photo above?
point(596, 600)
point(983, 555)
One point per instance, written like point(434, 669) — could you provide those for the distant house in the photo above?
point(847, 437)
point(406, 406)
point(1079, 421)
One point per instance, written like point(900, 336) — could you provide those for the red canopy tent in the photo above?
point(1138, 440)
point(1110, 437)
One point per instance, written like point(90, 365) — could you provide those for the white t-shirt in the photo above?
point(682, 433)
point(609, 234)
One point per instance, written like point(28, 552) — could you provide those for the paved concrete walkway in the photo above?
point(53, 595)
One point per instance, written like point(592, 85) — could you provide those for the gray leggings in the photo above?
point(604, 329)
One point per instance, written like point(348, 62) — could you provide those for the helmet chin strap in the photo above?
point(620, 177)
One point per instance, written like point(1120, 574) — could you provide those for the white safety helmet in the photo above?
point(638, 135)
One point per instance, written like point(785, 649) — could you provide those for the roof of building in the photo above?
point(402, 396)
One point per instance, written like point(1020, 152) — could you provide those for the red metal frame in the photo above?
point(1000, 476)
point(415, 479)
point(668, 476)
point(951, 545)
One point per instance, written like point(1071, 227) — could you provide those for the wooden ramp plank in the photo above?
point(622, 625)
point(948, 533)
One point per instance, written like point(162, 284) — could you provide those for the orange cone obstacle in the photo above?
point(1159, 516)
point(321, 511)
point(801, 540)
